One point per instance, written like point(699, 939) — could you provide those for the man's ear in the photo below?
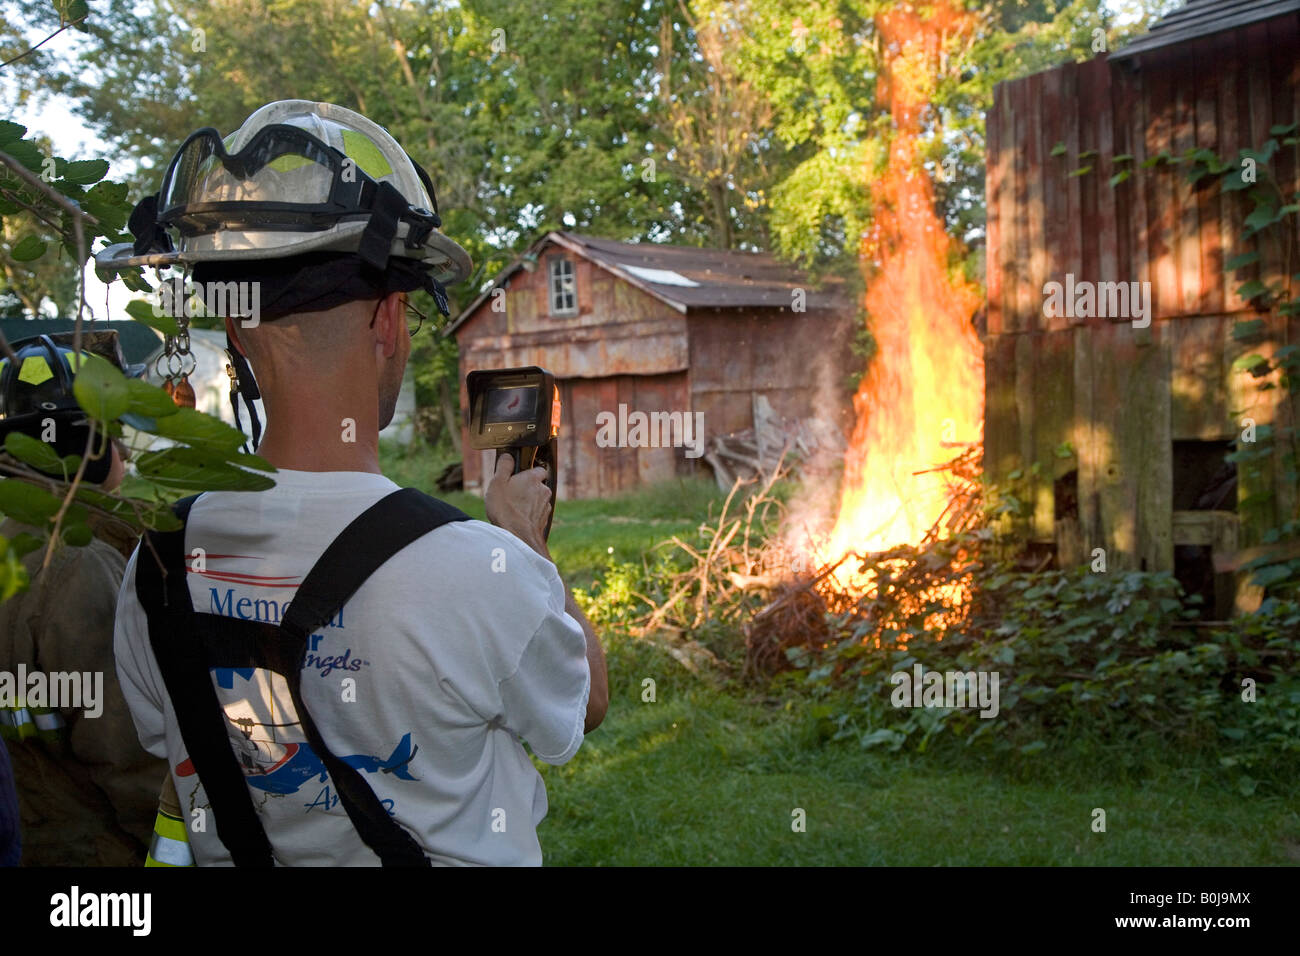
point(234, 337)
point(390, 322)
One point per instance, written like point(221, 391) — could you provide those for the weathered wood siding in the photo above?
point(1121, 395)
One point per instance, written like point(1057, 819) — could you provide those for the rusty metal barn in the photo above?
point(655, 328)
point(1148, 413)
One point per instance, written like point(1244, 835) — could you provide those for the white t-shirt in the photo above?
point(425, 681)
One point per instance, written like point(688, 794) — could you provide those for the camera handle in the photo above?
point(533, 456)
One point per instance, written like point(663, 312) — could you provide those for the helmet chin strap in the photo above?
point(243, 383)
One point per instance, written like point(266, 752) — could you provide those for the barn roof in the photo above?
point(683, 277)
point(1203, 17)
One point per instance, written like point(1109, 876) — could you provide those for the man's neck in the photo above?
point(325, 433)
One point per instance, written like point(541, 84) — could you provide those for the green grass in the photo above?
point(705, 776)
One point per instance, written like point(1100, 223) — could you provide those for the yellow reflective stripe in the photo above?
point(359, 148)
point(171, 827)
point(170, 843)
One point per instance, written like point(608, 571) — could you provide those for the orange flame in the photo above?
point(924, 391)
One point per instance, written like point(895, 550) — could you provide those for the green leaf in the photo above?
point(1058, 149)
point(11, 132)
point(28, 154)
point(1033, 748)
point(77, 535)
point(191, 468)
point(1247, 331)
point(24, 543)
point(28, 249)
point(26, 503)
point(1081, 171)
point(1251, 289)
point(1119, 177)
point(256, 462)
point(83, 172)
point(1280, 130)
point(101, 390)
point(36, 453)
point(1272, 574)
point(144, 313)
point(1263, 216)
point(192, 427)
point(148, 401)
point(1123, 158)
point(1235, 182)
point(1241, 261)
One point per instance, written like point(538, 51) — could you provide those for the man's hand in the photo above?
point(521, 504)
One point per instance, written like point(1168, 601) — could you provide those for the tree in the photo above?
point(75, 205)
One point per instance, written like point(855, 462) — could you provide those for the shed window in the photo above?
point(564, 287)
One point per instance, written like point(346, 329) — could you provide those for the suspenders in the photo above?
point(188, 644)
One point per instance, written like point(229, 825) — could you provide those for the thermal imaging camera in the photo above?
point(517, 412)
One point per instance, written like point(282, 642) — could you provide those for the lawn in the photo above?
point(705, 776)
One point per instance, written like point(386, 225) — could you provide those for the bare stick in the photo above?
point(70, 23)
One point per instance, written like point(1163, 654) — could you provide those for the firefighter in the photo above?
point(87, 791)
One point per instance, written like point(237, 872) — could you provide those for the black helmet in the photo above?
point(38, 388)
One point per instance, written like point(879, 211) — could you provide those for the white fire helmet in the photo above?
point(296, 177)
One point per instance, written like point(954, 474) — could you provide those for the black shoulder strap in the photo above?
point(365, 544)
point(164, 594)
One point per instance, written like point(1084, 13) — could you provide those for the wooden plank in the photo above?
point(1087, 108)
point(1050, 177)
point(1025, 297)
point(1131, 452)
point(1261, 118)
point(1009, 221)
point(1284, 75)
point(1121, 99)
point(1162, 212)
point(1090, 449)
point(1233, 135)
point(1107, 226)
point(1198, 379)
point(1186, 239)
point(1073, 258)
point(993, 175)
point(1209, 70)
point(1053, 420)
point(1142, 181)
point(1032, 316)
point(1001, 415)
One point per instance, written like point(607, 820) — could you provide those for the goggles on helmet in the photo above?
point(206, 188)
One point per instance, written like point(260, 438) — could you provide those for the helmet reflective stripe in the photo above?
point(34, 370)
point(170, 845)
point(366, 155)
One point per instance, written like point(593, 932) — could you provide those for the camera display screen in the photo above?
point(510, 405)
